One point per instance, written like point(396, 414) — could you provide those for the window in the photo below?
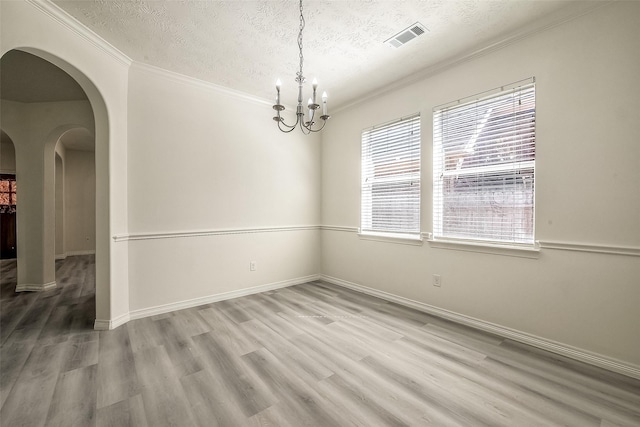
point(390, 192)
point(7, 194)
point(484, 167)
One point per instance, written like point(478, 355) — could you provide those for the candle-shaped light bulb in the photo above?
point(278, 84)
point(324, 103)
point(310, 110)
point(314, 85)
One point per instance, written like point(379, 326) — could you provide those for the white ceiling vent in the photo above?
point(406, 35)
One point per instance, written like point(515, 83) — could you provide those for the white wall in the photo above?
point(587, 176)
point(80, 202)
point(205, 160)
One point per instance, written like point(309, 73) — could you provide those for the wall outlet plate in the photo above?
point(437, 280)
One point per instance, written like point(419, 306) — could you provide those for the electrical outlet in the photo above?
point(252, 265)
point(437, 280)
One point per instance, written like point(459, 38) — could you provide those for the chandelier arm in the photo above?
point(324, 122)
point(280, 120)
point(288, 130)
point(305, 130)
point(289, 127)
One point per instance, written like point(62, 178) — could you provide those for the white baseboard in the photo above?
point(165, 308)
point(29, 287)
point(74, 253)
point(107, 325)
point(102, 325)
point(581, 355)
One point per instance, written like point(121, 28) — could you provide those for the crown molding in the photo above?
point(62, 17)
point(201, 84)
point(54, 12)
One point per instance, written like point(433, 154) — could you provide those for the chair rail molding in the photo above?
point(590, 247)
point(212, 232)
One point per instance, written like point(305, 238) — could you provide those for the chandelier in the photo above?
point(306, 123)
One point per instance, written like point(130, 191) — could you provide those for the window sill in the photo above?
point(402, 239)
point(514, 250)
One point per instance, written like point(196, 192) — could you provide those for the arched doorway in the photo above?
point(60, 204)
point(36, 144)
point(8, 198)
point(75, 219)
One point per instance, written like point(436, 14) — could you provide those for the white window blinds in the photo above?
point(484, 167)
point(391, 178)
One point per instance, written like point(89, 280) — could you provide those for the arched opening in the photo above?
point(55, 110)
point(8, 198)
point(60, 220)
point(75, 193)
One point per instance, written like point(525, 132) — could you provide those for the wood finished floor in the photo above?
point(307, 355)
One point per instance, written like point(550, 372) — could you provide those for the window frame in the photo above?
point(411, 172)
point(440, 171)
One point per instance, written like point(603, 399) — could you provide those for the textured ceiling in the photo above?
point(246, 45)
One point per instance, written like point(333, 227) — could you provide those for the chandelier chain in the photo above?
point(302, 24)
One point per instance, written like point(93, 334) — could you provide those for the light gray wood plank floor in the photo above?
point(307, 355)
